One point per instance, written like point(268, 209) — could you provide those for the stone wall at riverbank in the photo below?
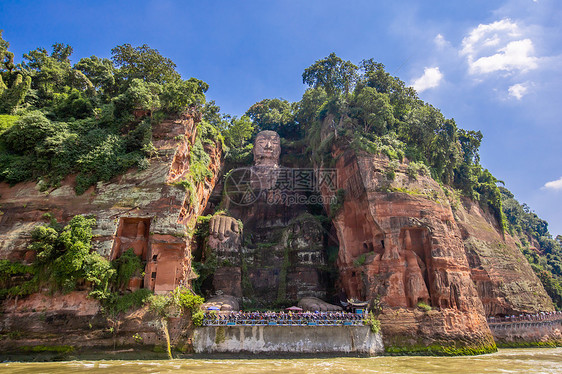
point(528, 333)
point(275, 340)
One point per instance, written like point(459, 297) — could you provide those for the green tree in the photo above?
point(143, 63)
point(213, 116)
point(61, 52)
point(276, 115)
point(72, 104)
point(11, 98)
point(180, 94)
point(445, 152)
point(374, 111)
point(139, 95)
point(52, 73)
point(420, 126)
point(27, 133)
point(331, 73)
point(6, 121)
point(6, 57)
point(470, 142)
point(239, 131)
point(307, 109)
point(402, 98)
point(101, 72)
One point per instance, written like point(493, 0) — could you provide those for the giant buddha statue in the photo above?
point(268, 264)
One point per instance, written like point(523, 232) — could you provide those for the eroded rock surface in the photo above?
point(504, 279)
point(399, 241)
point(142, 209)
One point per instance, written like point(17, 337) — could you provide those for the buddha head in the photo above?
point(267, 148)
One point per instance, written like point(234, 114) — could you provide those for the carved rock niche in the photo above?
point(416, 249)
point(132, 233)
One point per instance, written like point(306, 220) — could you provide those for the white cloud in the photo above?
point(518, 90)
point(498, 46)
point(491, 42)
point(431, 78)
point(554, 185)
point(515, 56)
point(485, 32)
point(440, 41)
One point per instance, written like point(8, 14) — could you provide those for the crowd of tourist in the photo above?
point(282, 318)
point(540, 316)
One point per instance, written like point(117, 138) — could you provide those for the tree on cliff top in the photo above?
point(383, 115)
point(6, 57)
point(276, 115)
point(143, 63)
point(87, 118)
point(331, 73)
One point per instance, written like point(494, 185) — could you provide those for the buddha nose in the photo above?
point(268, 144)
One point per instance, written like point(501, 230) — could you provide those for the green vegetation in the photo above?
point(337, 204)
point(205, 262)
point(546, 255)
point(282, 290)
point(126, 266)
point(373, 322)
point(178, 302)
point(417, 168)
point(220, 336)
point(116, 302)
point(276, 115)
point(48, 348)
point(530, 344)
point(65, 262)
point(200, 160)
point(371, 111)
point(438, 350)
point(93, 118)
point(360, 261)
point(424, 306)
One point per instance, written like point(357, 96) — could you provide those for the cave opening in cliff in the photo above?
point(416, 249)
point(132, 232)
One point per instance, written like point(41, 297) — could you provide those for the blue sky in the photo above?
point(494, 66)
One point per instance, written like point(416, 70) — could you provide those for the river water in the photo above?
point(537, 360)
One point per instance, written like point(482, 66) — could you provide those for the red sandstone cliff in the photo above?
point(407, 240)
point(142, 209)
point(399, 241)
point(503, 277)
point(404, 239)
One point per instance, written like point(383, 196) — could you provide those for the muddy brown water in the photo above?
point(538, 360)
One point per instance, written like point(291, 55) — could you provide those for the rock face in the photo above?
point(283, 258)
point(504, 279)
point(73, 321)
point(314, 304)
point(142, 209)
point(437, 263)
point(399, 241)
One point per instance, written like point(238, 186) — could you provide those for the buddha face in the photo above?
point(267, 148)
